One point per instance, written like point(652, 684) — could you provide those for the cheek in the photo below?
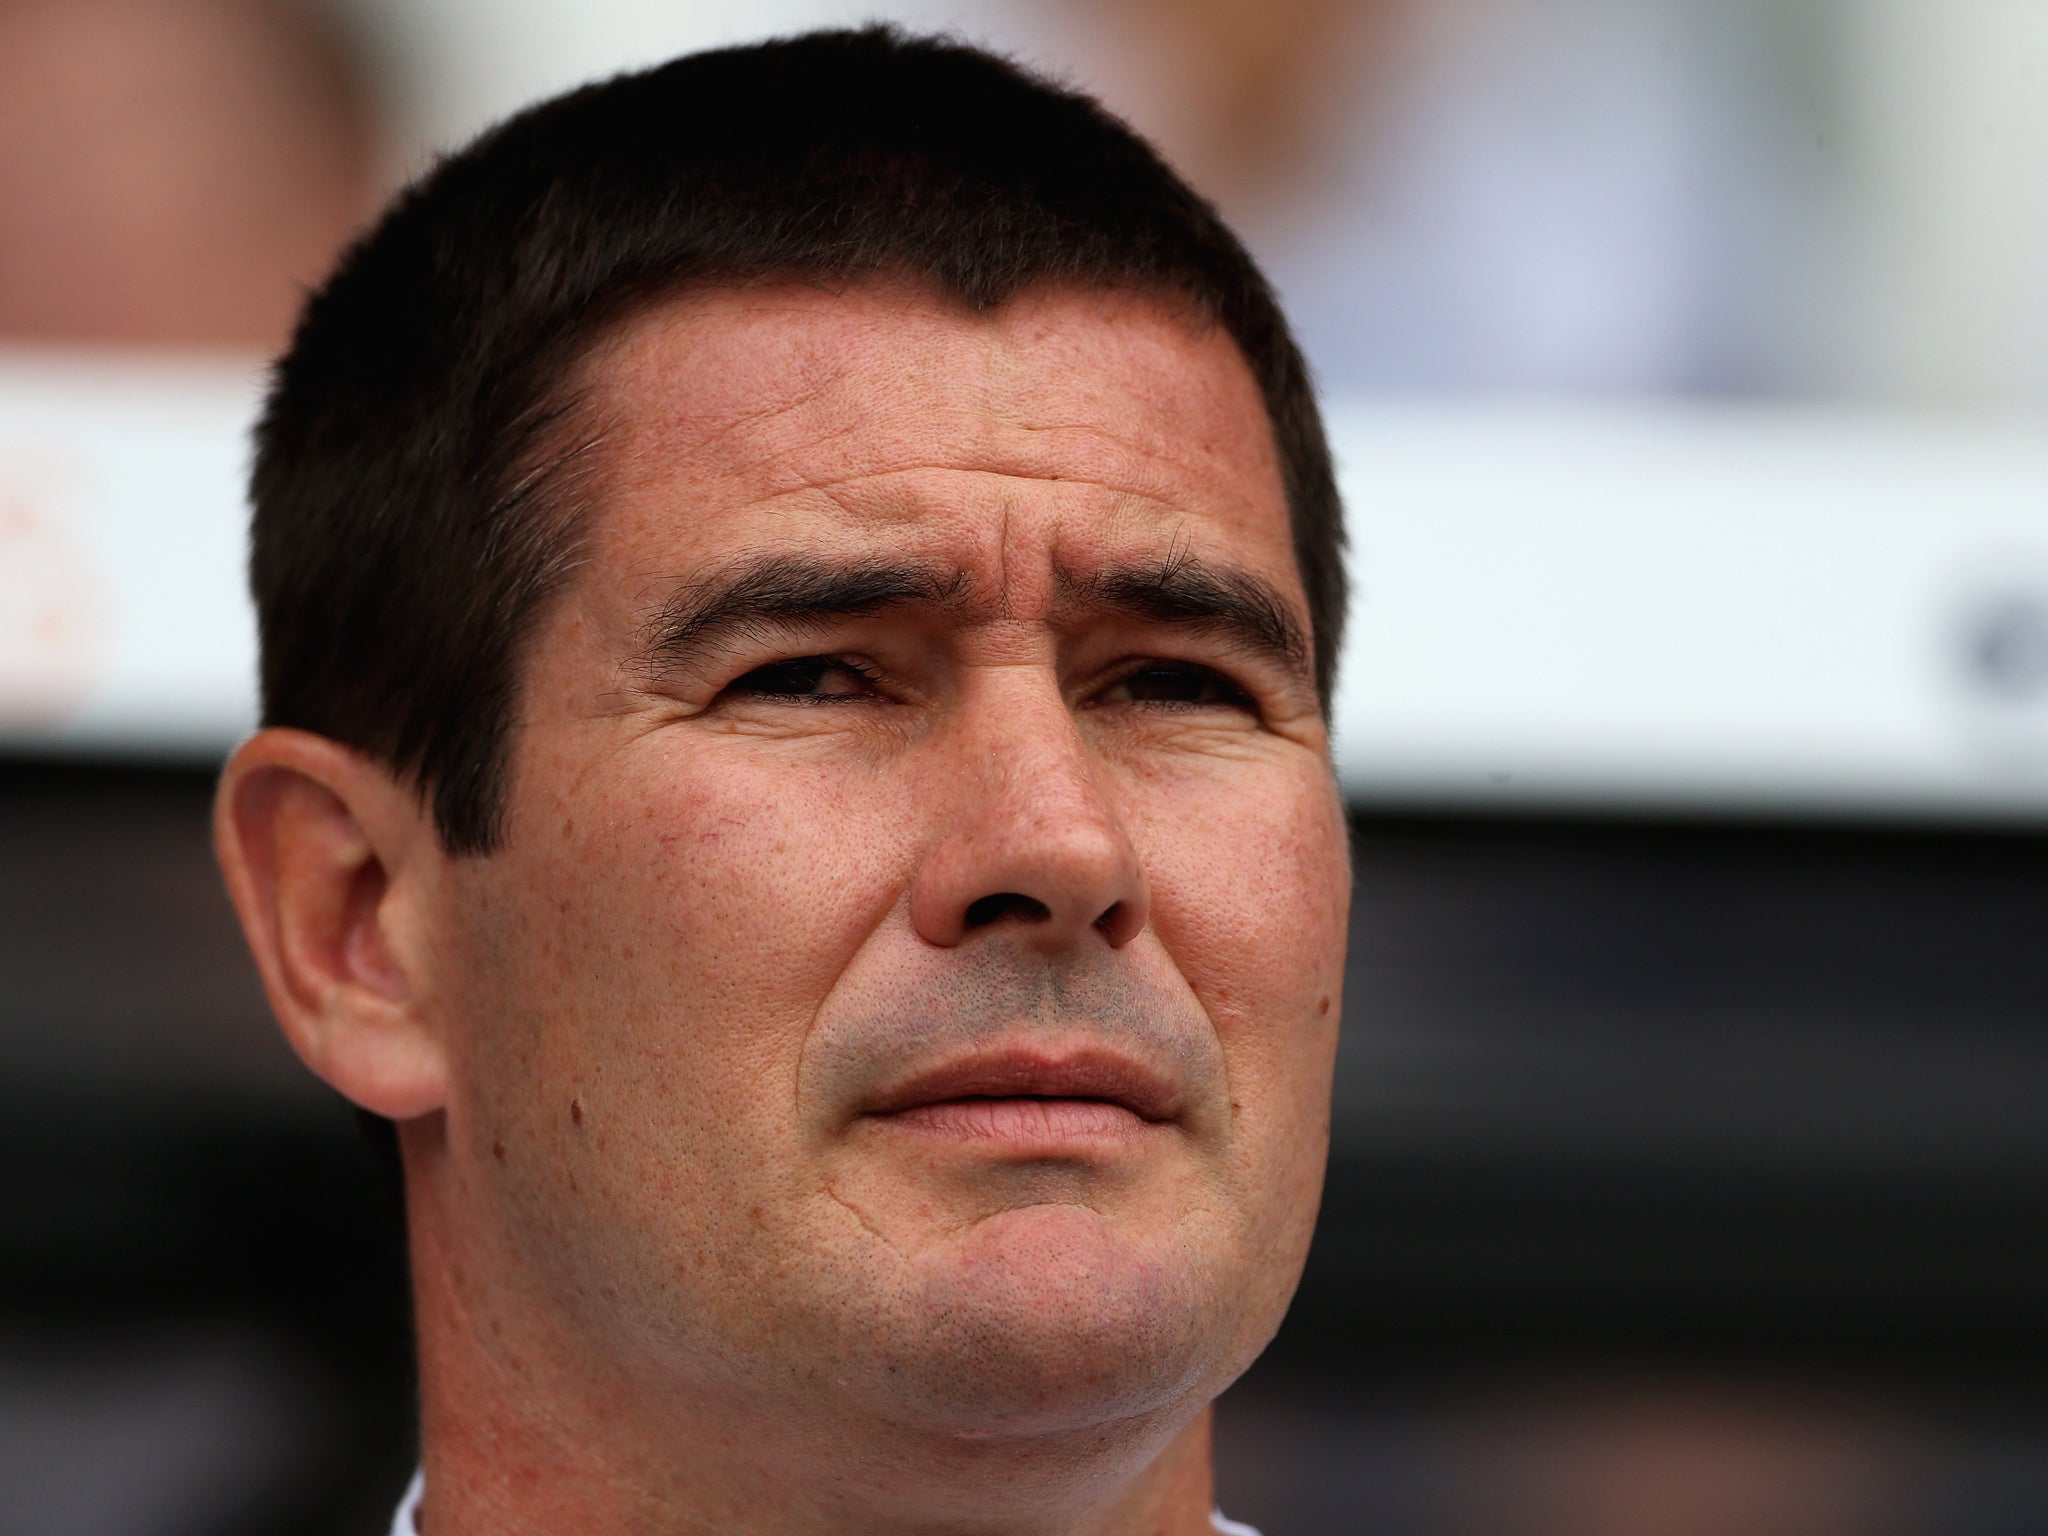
point(723, 904)
point(650, 954)
point(1251, 889)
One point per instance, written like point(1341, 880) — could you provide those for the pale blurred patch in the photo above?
point(174, 172)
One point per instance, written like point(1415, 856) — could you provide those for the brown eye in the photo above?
point(804, 679)
point(1187, 687)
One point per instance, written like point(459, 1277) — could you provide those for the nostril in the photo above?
point(993, 909)
point(1111, 916)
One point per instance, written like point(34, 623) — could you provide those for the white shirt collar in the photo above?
point(404, 1524)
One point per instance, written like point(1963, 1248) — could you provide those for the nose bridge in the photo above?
point(1029, 832)
point(1034, 763)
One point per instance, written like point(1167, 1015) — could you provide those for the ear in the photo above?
point(334, 867)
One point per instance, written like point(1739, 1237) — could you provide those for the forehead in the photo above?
point(1079, 422)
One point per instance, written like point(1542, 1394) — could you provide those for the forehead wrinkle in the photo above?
point(713, 345)
point(971, 493)
point(985, 421)
point(674, 395)
point(656, 442)
point(970, 432)
point(1022, 453)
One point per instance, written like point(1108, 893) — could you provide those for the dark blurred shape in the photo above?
point(1686, 1182)
point(175, 172)
point(1642, 1453)
point(1675, 1458)
point(202, 1287)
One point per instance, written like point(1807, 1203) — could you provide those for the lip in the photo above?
point(1046, 1085)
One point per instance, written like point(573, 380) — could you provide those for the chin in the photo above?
point(1050, 1320)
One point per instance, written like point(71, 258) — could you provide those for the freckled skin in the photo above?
point(670, 1277)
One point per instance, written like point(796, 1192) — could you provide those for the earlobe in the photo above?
point(332, 863)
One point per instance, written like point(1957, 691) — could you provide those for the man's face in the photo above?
point(909, 980)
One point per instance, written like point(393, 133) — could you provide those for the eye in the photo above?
point(806, 680)
point(1177, 685)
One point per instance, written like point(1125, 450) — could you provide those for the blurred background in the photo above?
point(1688, 365)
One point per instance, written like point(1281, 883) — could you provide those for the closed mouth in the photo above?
point(1036, 1088)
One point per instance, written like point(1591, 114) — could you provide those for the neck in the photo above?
point(528, 1431)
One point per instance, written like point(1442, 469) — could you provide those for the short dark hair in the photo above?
point(407, 527)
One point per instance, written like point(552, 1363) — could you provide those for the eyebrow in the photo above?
point(792, 593)
point(1244, 610)
point(784, 594)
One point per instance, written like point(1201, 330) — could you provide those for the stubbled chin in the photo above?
point(1047, 1319)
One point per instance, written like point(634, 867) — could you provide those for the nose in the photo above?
point(1029, 837)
